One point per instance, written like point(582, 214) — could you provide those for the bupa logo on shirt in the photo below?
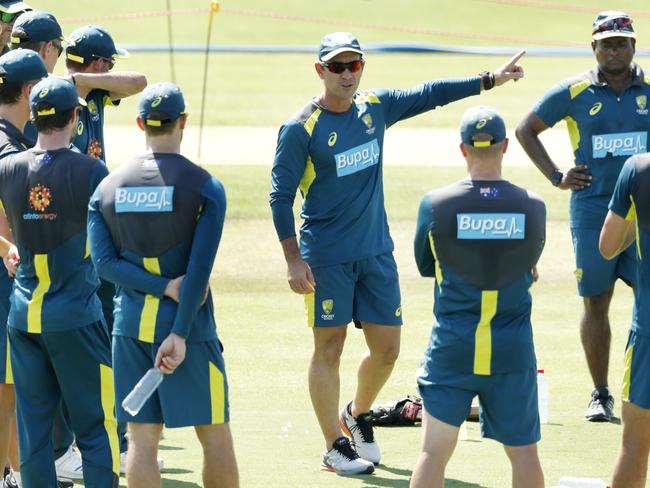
point(357, 159)
point(491, 226)
point(144, 199)
point(624, 144)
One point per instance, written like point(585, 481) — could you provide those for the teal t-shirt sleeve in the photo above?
point(421, 245)
point(98, 172)
point(107, 261)
point(291, 157)
point(207, 235)
point(403, 104)
point(621, 199)
point(554, 105)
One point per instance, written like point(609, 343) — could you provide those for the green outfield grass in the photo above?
point(262, 323)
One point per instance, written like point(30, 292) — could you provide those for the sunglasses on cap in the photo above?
point(619, 24)
point(338, 67)
point(7, 18)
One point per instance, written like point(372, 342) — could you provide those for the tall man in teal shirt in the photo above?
point(608, 117)
point(332, 150)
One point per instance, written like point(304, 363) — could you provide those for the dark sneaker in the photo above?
point(359, 430)
point(344, 461)
point(601, 406)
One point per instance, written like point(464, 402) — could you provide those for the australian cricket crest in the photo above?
point(367, 119)
point(641, 103)
point(327, 305)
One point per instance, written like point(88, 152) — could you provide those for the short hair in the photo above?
point(50, 123)
point(164, 129)
point(491, 150)
point(33, 45)
point(76, 65)
point(10, 92)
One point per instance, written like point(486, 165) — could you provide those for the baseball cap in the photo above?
point(161, 103)
point(93, 42)
point(482, 120)
point(53, 95)
point(14, 6)
point(21, 65)
point(36, 26)
point(612, 23)
point(337, 43)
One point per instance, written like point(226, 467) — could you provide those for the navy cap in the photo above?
point(21, 65)
point(612, 23)
point(337, 43)
point(161, 103)
point(36, 27)
point(14, 6)
point(53, 95)
point(482, 120)
point(93, 42)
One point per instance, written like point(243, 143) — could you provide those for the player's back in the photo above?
point(45, 196)
point(151, 206)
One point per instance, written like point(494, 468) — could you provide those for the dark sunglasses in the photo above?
point(622, 23)
point(59, 48)
point(110, 61)
point(339, 67)
point(8, 18)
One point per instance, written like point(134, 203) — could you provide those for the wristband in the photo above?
point(487, 79)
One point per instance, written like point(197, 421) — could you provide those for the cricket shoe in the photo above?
point(11, 482)
point(344, 460)
point(601, 406)
point(359, 430)
point(161, 463)
point(69, 466)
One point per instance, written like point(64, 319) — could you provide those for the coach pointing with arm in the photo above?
point(332, 150)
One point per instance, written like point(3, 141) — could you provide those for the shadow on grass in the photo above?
point(169, 448)
point(176, 471)
point(449, 483)
point(179, 484)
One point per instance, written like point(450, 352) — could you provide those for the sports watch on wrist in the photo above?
point(556, 177)
point(487, 79)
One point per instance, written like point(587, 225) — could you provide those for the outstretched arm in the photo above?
point(118, 84)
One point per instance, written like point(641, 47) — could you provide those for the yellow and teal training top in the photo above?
point(604, 128)
point(480, 240)
point(45, 197)
point(158, 217)
point(335, 159)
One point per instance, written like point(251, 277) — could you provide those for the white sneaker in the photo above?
point(344, 460)
point(69, 465)
point(359, 430)
point(161, 463)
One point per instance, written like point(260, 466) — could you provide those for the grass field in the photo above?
point(261, 322)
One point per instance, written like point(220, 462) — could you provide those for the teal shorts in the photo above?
point(364, 291)
point(636, 381)
point(195, 394)
point(6, 376)
point(508, 409)
point(594, 274)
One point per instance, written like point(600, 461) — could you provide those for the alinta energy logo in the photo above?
point(40, 198)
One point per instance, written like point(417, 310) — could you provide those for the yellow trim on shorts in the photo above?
point(147, 328)
point(35, 305)
point(217, 394)
point(9, 374)
point(483, 336)
point(627, 372)
point(574, 132)
point(108, 407)
point(310, 307)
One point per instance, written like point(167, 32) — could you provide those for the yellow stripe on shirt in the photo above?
point(35, 305)
point(483, 337)
point(147, 329)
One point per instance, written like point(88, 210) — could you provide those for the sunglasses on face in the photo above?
point(622, 23)
point(109, 61)
point(339, 67)
point(59, 47)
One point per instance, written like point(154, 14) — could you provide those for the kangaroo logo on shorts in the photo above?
point(327, 305)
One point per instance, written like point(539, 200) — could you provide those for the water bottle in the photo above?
point(542, 396)
point(142, 391)
point(571, 482)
